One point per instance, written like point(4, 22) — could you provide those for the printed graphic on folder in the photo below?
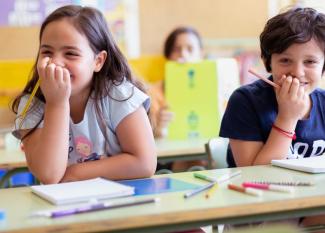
point(314, 164)
point(197, 94)
point(80, 191)
point(158, 185)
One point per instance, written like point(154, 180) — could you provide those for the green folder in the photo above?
point(197, 94)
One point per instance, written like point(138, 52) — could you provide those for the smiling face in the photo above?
point(302, 61)
point(68, 48)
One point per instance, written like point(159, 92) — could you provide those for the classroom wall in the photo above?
point(18, 42)
point(215, 19)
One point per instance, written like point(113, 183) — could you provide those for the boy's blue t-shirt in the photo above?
point(252, 109)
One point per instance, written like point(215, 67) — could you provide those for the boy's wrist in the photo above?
point(286, 124)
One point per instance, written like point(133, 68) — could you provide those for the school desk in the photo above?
point(180, 150)
point(167, 151)
point(10, 159)
point(173, 212)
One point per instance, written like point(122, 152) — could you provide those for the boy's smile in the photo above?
point(303, 62)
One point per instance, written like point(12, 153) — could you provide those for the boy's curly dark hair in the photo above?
point(295, 26)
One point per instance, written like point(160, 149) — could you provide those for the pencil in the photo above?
point(198, 190)
point(211, 190)
point(286, 183)
point(271, 187)
point(249, 191)
point(264, 79)
point(221, 179)
point(29, 101)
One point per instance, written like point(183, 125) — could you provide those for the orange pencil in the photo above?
point(249, 191)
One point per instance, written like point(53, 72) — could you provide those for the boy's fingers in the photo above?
point(294, 87)
point(286, 85)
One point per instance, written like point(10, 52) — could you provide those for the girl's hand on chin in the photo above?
point(55, 82)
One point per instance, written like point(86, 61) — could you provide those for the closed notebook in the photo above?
point(311, 164)
point(80, 191)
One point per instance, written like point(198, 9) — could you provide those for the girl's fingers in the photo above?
point(58, 74)
point(41, 66)
point(50, 71)
point(67, 79)
point(66, 75)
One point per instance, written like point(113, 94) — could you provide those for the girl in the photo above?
point(265, 123)
point(183, 44)
point(88, 103)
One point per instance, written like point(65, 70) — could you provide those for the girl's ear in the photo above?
point(100, 60)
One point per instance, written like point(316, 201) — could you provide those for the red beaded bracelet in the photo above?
point(291, 135)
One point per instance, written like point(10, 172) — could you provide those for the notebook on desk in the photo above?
point(158, 185)
point(82, 191)
point(311, 164)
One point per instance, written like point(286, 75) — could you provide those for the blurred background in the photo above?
point(229, 28)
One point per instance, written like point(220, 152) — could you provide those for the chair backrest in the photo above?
point(216, 149)
point(149, 68)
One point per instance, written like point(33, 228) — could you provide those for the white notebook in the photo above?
point(79, 191)
point(311, 164)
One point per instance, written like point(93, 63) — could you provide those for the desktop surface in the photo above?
point(173, 212)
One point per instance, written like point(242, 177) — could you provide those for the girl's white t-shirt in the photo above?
point(86, 138)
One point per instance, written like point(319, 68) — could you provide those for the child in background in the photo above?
point(86, 92)
point(183, 44)
point(265, 123)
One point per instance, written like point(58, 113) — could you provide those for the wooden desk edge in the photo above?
point(159, 220)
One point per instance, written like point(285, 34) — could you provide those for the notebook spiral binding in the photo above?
point(285, 183)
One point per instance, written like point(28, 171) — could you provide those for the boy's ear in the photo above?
point(100, 60)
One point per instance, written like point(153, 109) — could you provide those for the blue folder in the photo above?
point(158, 185)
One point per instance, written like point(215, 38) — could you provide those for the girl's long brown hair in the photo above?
point(91, 23)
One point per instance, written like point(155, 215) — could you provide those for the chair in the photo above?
point(150, 68)
point(216, 148)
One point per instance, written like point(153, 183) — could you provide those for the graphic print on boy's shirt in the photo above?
point(300, 149)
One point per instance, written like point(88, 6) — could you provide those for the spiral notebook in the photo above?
point(82, 191)
point(311, 164)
